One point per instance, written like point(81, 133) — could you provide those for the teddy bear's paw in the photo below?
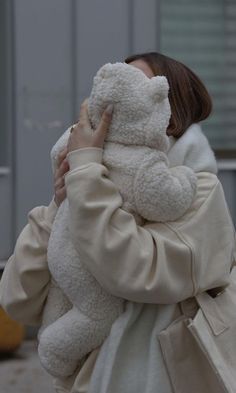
point(161, 193)
point(187, 178)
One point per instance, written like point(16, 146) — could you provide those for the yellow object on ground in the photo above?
point(11, 333)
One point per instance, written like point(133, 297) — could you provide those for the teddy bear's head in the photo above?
point(141, 107)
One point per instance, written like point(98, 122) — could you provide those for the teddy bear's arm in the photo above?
point(162, 193)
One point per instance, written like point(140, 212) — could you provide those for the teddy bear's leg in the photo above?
point(63, 344)
point(57, 304)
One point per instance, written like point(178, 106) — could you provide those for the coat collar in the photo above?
point(192, 150)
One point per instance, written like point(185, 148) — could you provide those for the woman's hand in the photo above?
point(82, 134)
point(59, 180)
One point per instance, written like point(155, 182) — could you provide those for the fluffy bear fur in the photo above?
point(78, 313)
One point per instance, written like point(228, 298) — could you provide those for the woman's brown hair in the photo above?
point(189, 99)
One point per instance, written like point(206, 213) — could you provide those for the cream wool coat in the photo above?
point(79, 313)
point(154, 267)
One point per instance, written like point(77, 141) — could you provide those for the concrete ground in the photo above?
point(22, 372)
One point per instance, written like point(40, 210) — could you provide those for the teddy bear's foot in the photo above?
point(58, 367)
point(66, 342)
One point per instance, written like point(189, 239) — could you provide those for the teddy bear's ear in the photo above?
point(159, 88)
point(104, 71)
point(117, 69)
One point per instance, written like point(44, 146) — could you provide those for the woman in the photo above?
point(155, 267)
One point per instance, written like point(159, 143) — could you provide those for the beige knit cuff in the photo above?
point(84, 156)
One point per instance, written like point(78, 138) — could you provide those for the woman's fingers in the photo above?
point(83, 116)
point(61, 171)
point(60, 195)
point(59, 180)
point(61, 156)
point(103, 127)
point(82, 135)
point(59, 183)
point(63, 168)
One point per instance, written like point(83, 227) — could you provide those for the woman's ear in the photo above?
point(159, 88)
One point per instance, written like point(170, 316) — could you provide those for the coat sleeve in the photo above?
point(140, 264)
point(25, 280)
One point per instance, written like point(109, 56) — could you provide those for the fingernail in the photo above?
point(109, 109)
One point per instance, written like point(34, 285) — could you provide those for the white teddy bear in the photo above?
point(79, 313)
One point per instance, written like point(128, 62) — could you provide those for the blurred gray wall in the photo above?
point(59, 45)
point(50, 50)
point(56, 46)
point(6, 126)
